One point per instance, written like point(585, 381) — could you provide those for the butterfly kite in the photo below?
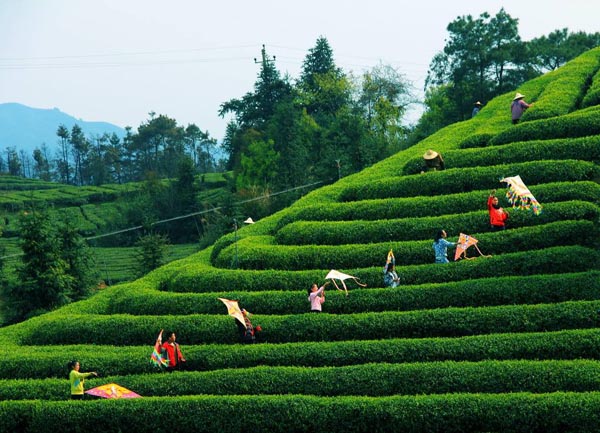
point(464, 242)
point(337, 275)
point(519, 195)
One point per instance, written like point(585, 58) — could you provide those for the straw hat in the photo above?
point(518, 96)
point(477, 103)
point(430, 154)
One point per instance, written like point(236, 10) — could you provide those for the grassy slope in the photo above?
point(514, 324)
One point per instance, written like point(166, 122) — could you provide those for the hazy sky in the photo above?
point(117, 60)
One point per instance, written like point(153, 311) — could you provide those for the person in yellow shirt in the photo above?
point(76, 378)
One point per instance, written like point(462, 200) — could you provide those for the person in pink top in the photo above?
point(518, 107)
point(316, 297)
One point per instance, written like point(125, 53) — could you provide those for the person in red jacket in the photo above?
point(498, 216)
point(173, 352)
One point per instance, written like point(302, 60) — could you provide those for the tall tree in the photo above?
point(41, 166)
point(558, 47)
point(478, 54)
point(13, 162)
point(63, 165)
point(79, 150)
point(78, 259)
point(43, 281)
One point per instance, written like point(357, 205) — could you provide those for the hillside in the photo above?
point(504, 343)
point(26, 128)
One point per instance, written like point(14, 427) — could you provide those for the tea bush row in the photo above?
point(412, 207)
point(583, 148)
point(204, 329)
point(470, 179)
point(531, 289)
point(251, 253)
point(592, 97)
point(50, 361)
point(580, 123)
point(515, 412)
point(566, 91)
point(355, 232)
point(202, 278)
point(375, 380)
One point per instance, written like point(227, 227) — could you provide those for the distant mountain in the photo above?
point(26, 128)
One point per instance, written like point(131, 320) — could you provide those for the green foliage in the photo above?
point(565, 93)
point(254, 254)
point(198, 278)
point(581, 123)
point(44, 282)
point(592, 97)
point(151, 250)
point(469, 179)
point(395, 230)
point(532, 289)
point(445, 322)
point(584, 148)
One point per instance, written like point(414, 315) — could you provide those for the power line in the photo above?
point(180, 217)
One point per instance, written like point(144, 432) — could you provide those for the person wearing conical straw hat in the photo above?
point(433, 161)
point(518, 107)
point(476, 108)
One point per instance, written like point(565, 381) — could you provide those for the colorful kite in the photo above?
point(157, 357)
point(337, 275)
point(464, 242)
point(519, 195)
point(112, 390)
point(233, 309)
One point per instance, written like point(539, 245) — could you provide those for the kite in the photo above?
point(390, 258)
point(233, 309)
point(519, 195)
point(337, 275)
point(112, 390)
point(464, 242)
point(157, 357)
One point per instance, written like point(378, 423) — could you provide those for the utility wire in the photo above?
point(180, 217)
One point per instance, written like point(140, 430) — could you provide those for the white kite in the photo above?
point(519, 195)
point(234, 310)
point(337, 275)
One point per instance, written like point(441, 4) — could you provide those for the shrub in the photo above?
point(446, 322)
point(565, 92)
point(470, 179)
point(36, 362)
point(581, 123)
point(202, 278)
point(532, 289)
point(430, 206)
point(364, 232)
point(585, 148)
point(517, 412)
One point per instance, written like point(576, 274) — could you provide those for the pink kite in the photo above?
point(464, 242)
point(112, 390)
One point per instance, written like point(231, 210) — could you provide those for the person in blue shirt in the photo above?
point(440, 247)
